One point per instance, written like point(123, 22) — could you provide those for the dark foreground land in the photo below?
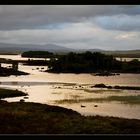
point(35, 118)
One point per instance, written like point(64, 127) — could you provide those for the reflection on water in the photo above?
point(37, 76)
point(51, 88)
point(48, 94)
point(105, 109)
point(18, 57)
point(126, 59)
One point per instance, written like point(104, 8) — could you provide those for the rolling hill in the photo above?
point(19, 48)
point(7, 48)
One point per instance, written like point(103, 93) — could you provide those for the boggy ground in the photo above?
point(35, 118)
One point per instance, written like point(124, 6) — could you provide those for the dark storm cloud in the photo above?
point(37, 16)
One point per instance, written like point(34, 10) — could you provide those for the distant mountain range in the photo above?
point(7, 48)
point(19, 48)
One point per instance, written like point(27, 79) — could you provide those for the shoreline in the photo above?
point(28, 114)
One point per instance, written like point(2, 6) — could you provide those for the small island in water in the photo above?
point(98, 63)
point(11, 70)
point(92, 62)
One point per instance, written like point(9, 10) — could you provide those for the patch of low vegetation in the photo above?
point(6, 93)
point(116, 87)
point(9, 71)
point(102, 91)
point(74, 100)
point(35, 118)
point(122, 99)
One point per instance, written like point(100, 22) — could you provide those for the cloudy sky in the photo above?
point(109, 27)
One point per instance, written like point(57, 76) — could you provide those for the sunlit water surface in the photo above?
point(74, 90)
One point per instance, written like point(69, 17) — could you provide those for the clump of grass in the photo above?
point(71, 101)
point(6, 93)
point(68, 101)
point(122, 99)
point(102, 91)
